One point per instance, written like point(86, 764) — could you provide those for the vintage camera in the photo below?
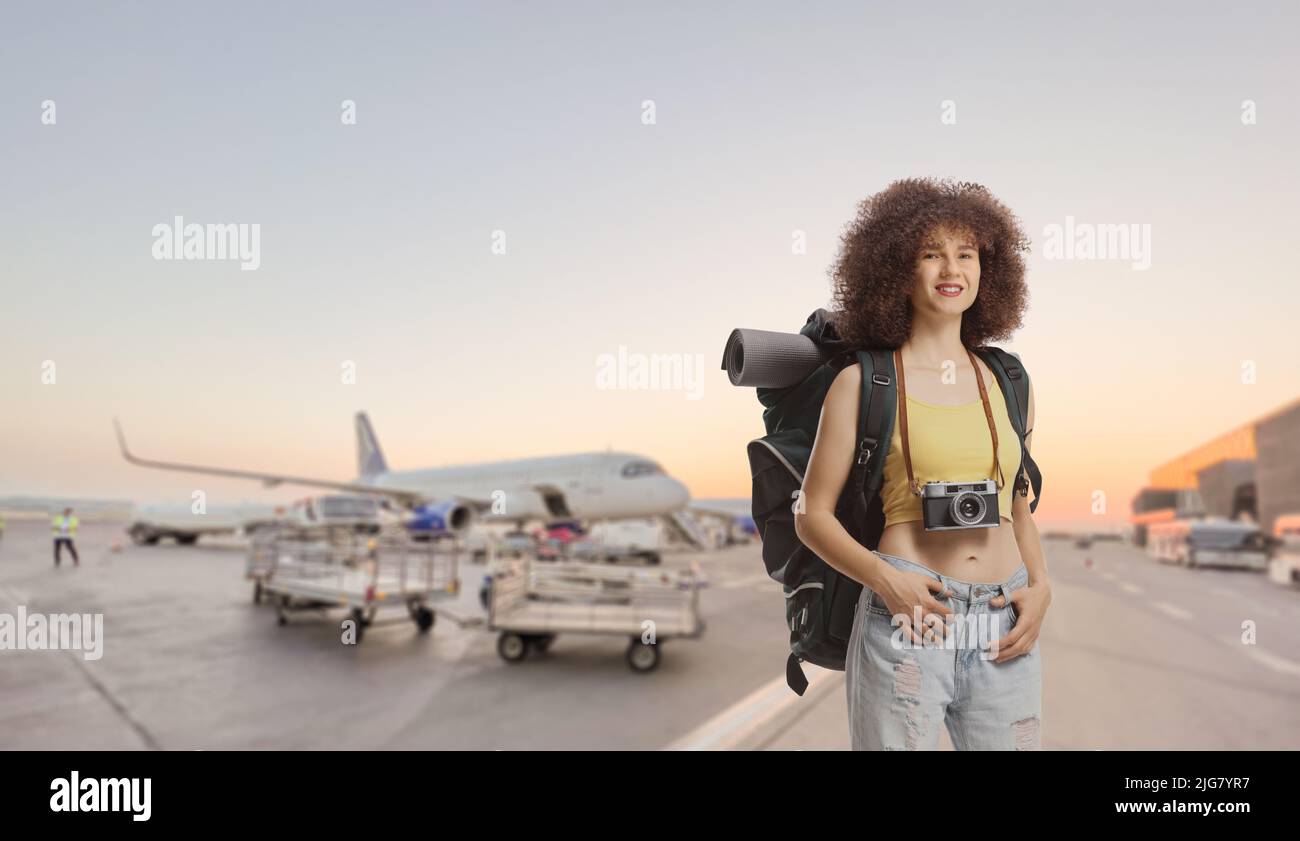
point(959, 505)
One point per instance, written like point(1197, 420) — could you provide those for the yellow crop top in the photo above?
point(949, 444)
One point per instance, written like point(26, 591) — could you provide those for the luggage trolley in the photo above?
point(264, 540)
point(530, 603)
point(306, 570)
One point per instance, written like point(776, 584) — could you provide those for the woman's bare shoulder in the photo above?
point(848, 382)
point(843, 395)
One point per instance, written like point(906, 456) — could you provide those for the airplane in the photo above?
point(584, 486)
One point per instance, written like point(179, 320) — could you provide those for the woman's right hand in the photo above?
point(903, 592)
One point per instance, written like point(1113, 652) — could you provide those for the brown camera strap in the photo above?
point(902, 418)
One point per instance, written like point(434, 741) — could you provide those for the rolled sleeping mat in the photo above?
point(768, 359)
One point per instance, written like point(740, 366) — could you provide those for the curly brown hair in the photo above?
point(874, 275)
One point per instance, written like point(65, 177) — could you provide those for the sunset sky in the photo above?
point(376, 239)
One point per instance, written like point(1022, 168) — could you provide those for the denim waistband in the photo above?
point(976, 591)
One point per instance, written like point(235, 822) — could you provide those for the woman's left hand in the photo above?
point(1031, 603)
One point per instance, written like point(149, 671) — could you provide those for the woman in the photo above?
point(934, 269)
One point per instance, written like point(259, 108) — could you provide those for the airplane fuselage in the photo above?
point(594, 486)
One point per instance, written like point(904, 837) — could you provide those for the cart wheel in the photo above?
point(257, 592)
point(424, 619)
point(359, 620)
point(542, 642)
point(512, 647)
point(282, 612)
point(642, 657)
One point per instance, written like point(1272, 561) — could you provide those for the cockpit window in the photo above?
point(633, 469)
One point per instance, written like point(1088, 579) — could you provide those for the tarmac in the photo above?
point(1136, 655)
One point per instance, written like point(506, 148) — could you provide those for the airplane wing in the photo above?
point(405, 497)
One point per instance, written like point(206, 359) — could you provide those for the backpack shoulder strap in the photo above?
point(1014, 379)
point(875, 425)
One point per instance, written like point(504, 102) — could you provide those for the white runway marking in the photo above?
point(761, 710)
point(1172, 610)
point(1272, 661)
point(1131, 589)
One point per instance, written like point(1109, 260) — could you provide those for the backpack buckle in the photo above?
point(864, 452)
point(880, 379)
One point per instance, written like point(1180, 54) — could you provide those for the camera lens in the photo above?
point(968, 508)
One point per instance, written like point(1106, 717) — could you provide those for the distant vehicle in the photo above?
point(618, 539)
point(552, 543)
point(1287, 525)
point(1284, 564)
point(743, 525)
point(732, 518)
point(338, 511)
point(550, 549)
point(516, 544)
point(564, 532)
point(1209, 542)
point(1083, 542)
point(637, 540)
point(179, 521)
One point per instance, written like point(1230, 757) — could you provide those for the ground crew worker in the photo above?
point(65, 531)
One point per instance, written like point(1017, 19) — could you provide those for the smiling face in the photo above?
point(947, 272)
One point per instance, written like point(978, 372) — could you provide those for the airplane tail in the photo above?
point(370, 459)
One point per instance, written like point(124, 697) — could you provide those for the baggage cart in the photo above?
point(309, 570)
point(530, 603)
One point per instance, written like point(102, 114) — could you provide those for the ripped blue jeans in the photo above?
point(899, 692)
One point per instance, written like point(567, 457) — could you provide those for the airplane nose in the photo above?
point(678, 494)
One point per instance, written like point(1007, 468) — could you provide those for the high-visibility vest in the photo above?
point(72, 526)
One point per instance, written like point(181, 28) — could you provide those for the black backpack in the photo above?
point(819, 600)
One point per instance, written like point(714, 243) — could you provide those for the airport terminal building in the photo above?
point(1252, 471)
